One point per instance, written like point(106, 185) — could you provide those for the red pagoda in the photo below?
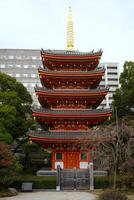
point(69, 97)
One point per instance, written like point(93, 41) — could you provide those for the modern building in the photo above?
point(110, 80)
point(23, 65)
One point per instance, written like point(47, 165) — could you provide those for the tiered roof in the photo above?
point(53, 58)
point(69, 76)
point(76, 137)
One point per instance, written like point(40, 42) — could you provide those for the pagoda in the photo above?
point(69, 97)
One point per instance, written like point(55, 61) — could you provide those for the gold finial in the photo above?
point(70, 33)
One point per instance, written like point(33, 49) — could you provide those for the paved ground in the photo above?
point(52, 196)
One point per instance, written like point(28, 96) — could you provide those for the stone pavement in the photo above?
point(52, 196)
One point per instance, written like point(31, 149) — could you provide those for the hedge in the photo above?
point(39, 182)
point(49, 182)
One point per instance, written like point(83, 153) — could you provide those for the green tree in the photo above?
point(124, 96)
point(15, 112)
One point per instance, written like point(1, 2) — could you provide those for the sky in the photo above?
point(36, 24)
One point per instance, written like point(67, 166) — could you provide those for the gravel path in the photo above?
point(52, 196)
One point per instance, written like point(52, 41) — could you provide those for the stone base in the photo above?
point(44, 172)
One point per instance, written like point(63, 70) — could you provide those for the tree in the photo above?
point(124, 96)
point(15, 112)
point(114, 155)
point(9, 166)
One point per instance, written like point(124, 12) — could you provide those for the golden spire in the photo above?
point(70, 33)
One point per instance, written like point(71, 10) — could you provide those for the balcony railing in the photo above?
point(98, 89)
point(72, 112)
point(73, 135)
point(100, 69)
point(67, 52)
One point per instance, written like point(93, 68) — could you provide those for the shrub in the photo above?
point(112, 195)
point(39, 182)
point(9, 166)
point(103, 182)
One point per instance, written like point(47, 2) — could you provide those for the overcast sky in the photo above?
point(106, 24)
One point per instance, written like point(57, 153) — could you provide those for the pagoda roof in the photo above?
point(71, 52)
point(48, 72)
point(87, 113)
point(49, 97)
point(48, 91)
point(55, 137)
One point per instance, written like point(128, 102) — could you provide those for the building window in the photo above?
point(11, 57)
point(58, 156)
point(33, 57)
point(10, 65)
point(25, 75)
point(83, 156)
point(112, 79)
point(17, 75)
point(112, 85)
point(33, 66)
point(33, 75)
point(112, 67)
point(25, 66)
point(2, 66)
point(112, 73)
point(18, 66)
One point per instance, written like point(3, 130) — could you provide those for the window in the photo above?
point(33, 57)
point(33, 66)
point(17, 75)
point(112, 73)
point(112, 67)
point(33, 75)
point(83, 156)
point(112, 85)
point(18, 66)
point(11, 57)
point(25, 75)
point(10, 65)
point(18, 57)
point(25, 66)
point(2, 66)
point(112, 79)
point(58, 156)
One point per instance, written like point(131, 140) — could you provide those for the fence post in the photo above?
point(91, 176)
point(58, 178)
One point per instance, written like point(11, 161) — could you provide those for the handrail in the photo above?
point(69, 71)
point(86, 111)
point(44, 89)
point(76, 134)
point(67, 52)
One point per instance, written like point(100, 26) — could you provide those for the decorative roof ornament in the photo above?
point(70, 32)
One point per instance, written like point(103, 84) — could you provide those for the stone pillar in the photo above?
point(91, 176)
point(58, 178)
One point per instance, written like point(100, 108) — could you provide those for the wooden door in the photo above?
point(72, 160)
